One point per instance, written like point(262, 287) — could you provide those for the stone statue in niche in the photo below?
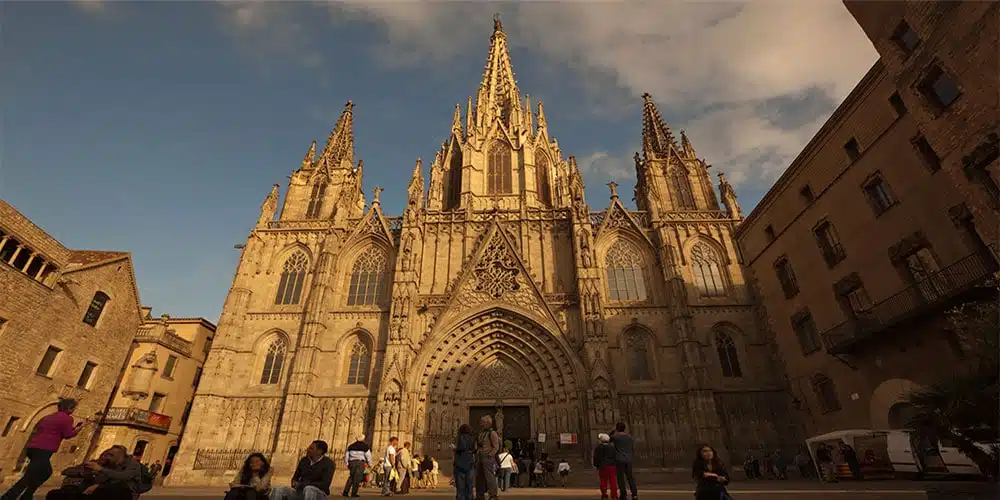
point(585, 250)
point(407, 251)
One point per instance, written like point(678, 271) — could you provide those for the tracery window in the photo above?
point(316, 200)
point(499, 173)
point(826, 393)
point(542, 178)
point(95, 308)
point(361, 358)
point(273, 362)
point(293, 275)
point(681, 184)
point(366, 278)
point(706, 266)
point(637, 358)
point(625, 272)
point(729, 358)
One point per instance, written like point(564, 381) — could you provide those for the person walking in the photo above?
point(604, 461)
point(45, 439)
point(357, 458)
point(389, 468)
point(624, 451)
point(487, 446)
point(403, 459)
point(506, 468)
point(710, 474)
point(465, 458)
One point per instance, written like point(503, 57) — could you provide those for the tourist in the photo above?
point(751, 467)
point(465, 448)
point(312, 477)
point(487, 446)
point(113, 476)
point(435, 471)
point(389, 468)
point(254, 480)
point(604, 462)
point(506, 468)
point(403, 469)
point(415, 475)
point(538, 473)
point(357, 458)
point(155, 469)
point(851, 458)
point(426, 466)
point(45, 440)
point(515, 473)
point(624, 446)
point(780, 465)
point(710, 474)
point(563, 472)
point(804, 463)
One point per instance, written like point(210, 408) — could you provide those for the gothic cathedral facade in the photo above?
point(497, 291)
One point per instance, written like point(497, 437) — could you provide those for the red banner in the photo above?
point(158, 420)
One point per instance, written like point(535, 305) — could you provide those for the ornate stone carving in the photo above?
point(500, 381)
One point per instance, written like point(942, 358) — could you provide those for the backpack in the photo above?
point(146, 478)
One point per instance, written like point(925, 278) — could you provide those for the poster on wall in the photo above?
point(541, 437)
point(567, 438)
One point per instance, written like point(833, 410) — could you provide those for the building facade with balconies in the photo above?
point(858, 257)
point(152, 401)
point(67, 318)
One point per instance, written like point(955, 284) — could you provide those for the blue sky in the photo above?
point(158, 128)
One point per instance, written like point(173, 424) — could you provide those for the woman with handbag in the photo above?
point(710, 474)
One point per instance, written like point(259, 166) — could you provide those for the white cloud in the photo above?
point(730, 70)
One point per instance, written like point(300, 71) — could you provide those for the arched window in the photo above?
point(361, 358)
point(316, 199)
point(707, 269)
point(683, 199)
point(542, 178)
point(624, 267)
point(273, 361)
point(455, 178)
point(366, 278)
point(293, 274)
point(729, 358)
point(499, 172)
point(826, 393)
point(95, 308)
point(637, 358)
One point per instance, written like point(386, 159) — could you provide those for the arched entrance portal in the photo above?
point(500, 363)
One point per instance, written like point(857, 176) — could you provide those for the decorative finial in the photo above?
point(375, 193)
point(646, 96)
point(613, 186)
point(497, 26)
point(722, 177)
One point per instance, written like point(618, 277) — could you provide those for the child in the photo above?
point(604, 461)
point(563, 472)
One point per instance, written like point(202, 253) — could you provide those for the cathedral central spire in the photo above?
point(656, 135)
point(498, 95)
point(339, 149)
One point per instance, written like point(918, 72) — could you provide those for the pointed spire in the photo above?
point(339, 149)
point(498, 94)
point(469, 118)
point(529, 119)
point(416, 187)
point(309, 158)
point(456, 121)
point(656, 135)
point(687, 147)
point(542, 123)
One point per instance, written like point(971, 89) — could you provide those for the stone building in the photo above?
point(151, 406)
point(857, 254)
point(498, 291)
point(67, 318)
point(943, 61)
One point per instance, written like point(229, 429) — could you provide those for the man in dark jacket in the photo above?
point(624, 446)
point(358, 456)
point(604, 461)
point(113, 476)
point(312, 477)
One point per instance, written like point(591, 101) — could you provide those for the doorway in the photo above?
point(515, 426)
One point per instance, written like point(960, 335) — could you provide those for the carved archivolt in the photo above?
point(500, 380)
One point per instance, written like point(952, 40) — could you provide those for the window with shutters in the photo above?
point(826, 393)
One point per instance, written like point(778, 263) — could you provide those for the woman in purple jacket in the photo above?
point(44, 441)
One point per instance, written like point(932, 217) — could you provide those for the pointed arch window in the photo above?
point(826, 393)
point(96, 308)
point(706, 266)
point(455, 178)
point(542, 178)
point(316, 199)
point(274, 360)
point(360, 362)
point(637, 355)
point(625, 273)
point(293, 275)
point(729, 357)
point(683, 197)
point(366, 278)
point(499, 172)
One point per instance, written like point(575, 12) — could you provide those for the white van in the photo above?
point(896, 453)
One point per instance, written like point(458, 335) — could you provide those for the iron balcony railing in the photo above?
point(136, 417)
point(934, 291)
point(165, 338)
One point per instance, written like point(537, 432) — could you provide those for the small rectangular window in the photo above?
point(9, 426)
point(807, 194)
point(852, 149)
point(769, 232)
point(879, 195)
point(86, 375)
point(905, 38)
point(930, 157)
point(168, 368)
point(46, 367)
point(829, 244)
point(806, 332)
point(856, 301)
point(897, 104)
point(939, 88)
point(786, 277)
point(156, 402)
